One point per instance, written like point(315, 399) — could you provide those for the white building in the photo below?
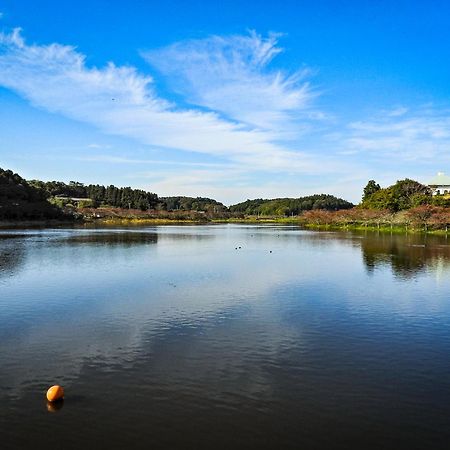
point(440, 184)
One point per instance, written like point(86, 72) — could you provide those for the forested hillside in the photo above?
point(98, 195)
point(192, 204)
point(21, 201)
point(290, 206)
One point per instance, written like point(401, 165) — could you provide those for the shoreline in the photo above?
point(13, 224)
point(111, 222)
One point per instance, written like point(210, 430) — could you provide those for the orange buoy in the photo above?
point(55, 393)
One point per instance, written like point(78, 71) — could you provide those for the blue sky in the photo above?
point(229, 99)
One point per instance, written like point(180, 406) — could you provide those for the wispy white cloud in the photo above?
point(126, 160)
point(121, 101)
point(231, 75)
point(233, 184)
point(419, 135)
point(398, 111)
point(99, 146)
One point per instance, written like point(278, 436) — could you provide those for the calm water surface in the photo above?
point(224, 337)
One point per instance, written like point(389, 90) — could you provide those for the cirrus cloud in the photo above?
point(422, 134)
point(231, 75)
point(119, 100)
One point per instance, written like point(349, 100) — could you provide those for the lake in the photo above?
point(224, 336)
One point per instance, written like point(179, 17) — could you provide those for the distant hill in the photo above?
point(290, 206)
point(192, 204)
point(120, 197)
point(20, 201)
point(123, 197)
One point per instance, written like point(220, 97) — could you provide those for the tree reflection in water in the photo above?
point(406, 254)
point(12, 254)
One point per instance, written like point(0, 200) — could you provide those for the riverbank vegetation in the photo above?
point(405, 206)
point(421, 218)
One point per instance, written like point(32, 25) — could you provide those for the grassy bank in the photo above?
point(425, 219)
point(142, 221)
point(111, 221)
point(372, 228)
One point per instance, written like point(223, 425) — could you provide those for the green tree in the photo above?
point(20, 200)
point(404, 194)
point(371, 187)
point(405, 191)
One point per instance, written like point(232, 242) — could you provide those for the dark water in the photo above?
point(169, 337)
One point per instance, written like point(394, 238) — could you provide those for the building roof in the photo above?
point(440, 180)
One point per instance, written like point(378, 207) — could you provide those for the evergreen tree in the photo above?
point(371, 187)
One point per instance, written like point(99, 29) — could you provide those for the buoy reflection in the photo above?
point(54, 407)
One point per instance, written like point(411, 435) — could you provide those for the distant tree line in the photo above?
point(192, 204)
point(21, 199)
point(98, 195)
point(291, 206)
